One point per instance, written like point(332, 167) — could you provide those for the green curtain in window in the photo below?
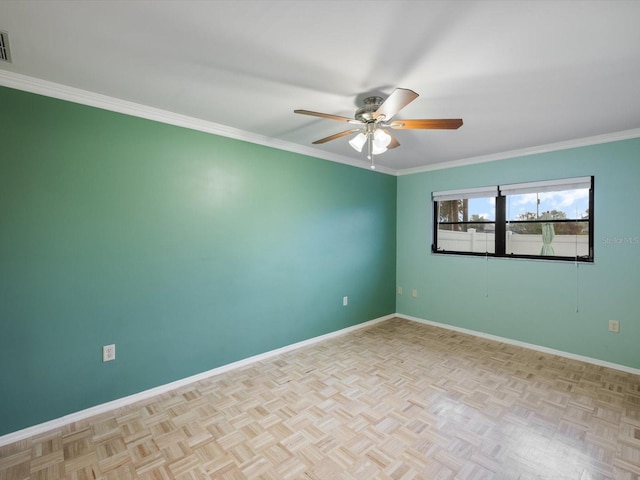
point(548, 232)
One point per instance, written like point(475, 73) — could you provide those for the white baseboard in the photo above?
point(121, 402)
point(529, 346)
point(146, 394)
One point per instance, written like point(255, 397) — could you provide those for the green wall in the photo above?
point(190, 251)
point(533, 301)
point(187, 250)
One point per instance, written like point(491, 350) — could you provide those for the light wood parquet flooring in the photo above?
point(396, 401)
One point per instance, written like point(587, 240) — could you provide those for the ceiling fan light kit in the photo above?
point(358, 141)
point(374, 116)
point(381, 141)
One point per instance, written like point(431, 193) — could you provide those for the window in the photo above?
point(551, 220)
point(466, 220)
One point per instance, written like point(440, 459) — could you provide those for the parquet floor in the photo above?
point(398, 401)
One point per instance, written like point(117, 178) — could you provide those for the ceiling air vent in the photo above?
point(5, 53)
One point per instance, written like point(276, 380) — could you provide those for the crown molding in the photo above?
point(552, 147)
point(84, 97)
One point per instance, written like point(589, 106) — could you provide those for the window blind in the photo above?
point(478, 192)
point(546, 186)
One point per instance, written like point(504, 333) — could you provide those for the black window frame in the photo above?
point(501, 224)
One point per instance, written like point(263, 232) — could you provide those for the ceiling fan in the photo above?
point(375, 116)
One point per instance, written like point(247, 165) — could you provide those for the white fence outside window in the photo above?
point(481, 242)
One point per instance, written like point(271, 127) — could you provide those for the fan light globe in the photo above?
point(358, 141)
point(376, 150)
point(381, 139)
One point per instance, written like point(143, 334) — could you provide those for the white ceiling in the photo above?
point(521, 74)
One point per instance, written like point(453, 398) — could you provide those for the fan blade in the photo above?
point(399, 98)
point(337, 135)
point(329, 116)
point(435, 124)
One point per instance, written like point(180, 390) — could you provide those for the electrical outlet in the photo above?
point(108, 353)
point(345, 301)
point(614, 326)
point(399, 290)
point(414, 293)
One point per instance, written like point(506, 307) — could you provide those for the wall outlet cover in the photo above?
point(108, 353)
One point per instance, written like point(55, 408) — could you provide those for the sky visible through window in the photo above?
point(574, 203)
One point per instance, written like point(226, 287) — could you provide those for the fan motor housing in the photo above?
point(365, 114)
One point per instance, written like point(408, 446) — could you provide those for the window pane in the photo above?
point(553, 239)
point(529, 235)
point(466, 239)
point(468, 209)
point(467, 225)
point(565, 204)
